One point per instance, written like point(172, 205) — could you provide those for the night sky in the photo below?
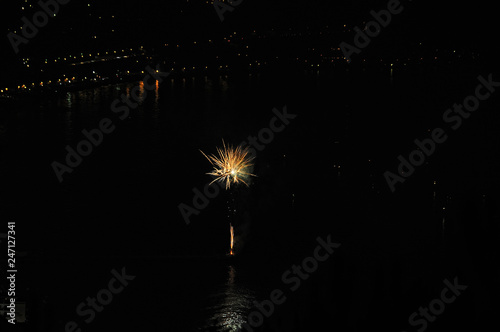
point(129, 203)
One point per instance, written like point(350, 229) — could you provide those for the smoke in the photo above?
point(242, 232)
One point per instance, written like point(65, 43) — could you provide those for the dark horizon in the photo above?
point(388, 152)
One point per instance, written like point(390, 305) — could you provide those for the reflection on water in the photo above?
point(230, 305)
point(68, 100)
point(95, 103)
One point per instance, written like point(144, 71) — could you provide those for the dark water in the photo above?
point(185, 294)
point(119, 208)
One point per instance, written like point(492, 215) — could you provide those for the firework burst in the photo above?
point(232, 165)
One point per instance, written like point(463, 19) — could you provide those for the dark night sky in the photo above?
point(132, 176)
point(156, 22)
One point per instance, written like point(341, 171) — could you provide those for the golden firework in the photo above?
point(232, 165)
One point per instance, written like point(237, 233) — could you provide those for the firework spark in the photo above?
point(232, 165)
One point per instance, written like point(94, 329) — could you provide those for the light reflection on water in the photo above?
point(231, 304)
